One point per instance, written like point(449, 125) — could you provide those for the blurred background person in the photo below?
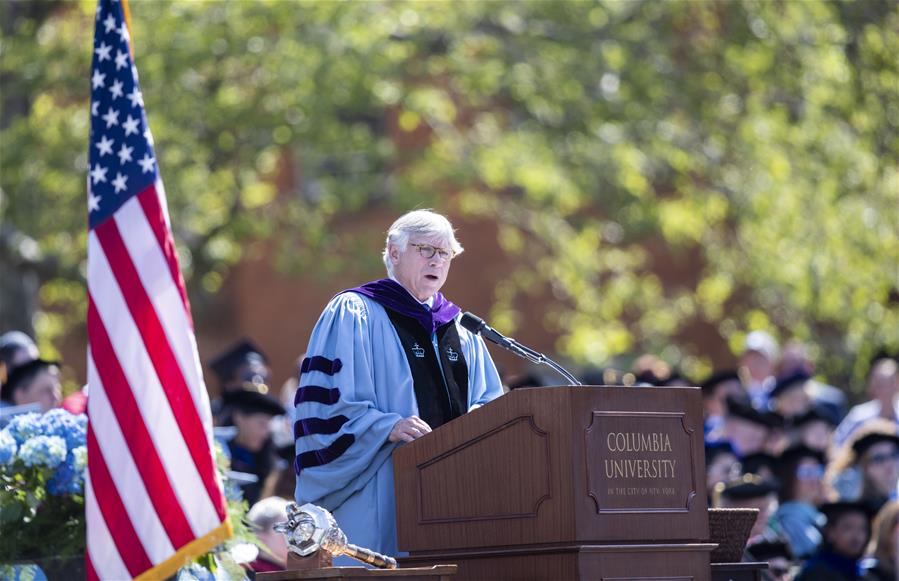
point(750, 491)
point(800, 471)
point(262, 518)
point(16, 348)
point(778, 556)
point(251, 449)
point(746, 428)
point(721, 465)
point(757, 366)
point(882, 558)
point(845, 536)
point(789, 396)
point(716, 390)
point(814, 428)
point(883, 389)
point(241, 365)
point(867, 468)
point(35, 382)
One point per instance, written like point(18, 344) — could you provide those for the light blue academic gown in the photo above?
point(372, 390)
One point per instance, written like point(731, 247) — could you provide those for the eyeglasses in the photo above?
point(885, 457)
point(810, 472)
point(428, 251)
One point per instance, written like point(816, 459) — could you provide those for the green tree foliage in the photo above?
point(752, 146)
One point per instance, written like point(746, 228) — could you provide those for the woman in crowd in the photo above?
point(867, 468)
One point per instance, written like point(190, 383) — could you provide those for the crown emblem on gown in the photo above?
point(452, 355)
point(418, 351)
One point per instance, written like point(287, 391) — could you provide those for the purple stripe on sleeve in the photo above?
point(327, 396)
point(324, 455)
point(319, 363)
point(310, 426)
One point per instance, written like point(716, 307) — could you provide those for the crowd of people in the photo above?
point(823, 475)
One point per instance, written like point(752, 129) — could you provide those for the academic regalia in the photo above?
point(362, 374)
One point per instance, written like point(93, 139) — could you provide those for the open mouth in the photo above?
point(432, 277)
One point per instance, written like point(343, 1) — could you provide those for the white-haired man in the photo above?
point(387, 363)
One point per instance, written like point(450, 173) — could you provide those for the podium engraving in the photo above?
point(639, 462)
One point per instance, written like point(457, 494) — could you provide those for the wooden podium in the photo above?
point(561, 483)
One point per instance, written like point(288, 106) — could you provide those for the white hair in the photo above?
point(267, 512)
point(424, 222)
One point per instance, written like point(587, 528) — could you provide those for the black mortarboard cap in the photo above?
point(748, 486)
point(820, 412)
point(766, 550)
point(791, 381)
point(719, 377)
point(715, 449)
point(864, 443)
point(745, 411)
point(226, 363)
point(833, 510)
point(753, 463)
point(798, 451)
point(250, 402)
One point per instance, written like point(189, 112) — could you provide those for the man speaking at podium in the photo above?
point(387, 363)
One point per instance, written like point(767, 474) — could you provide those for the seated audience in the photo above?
point(716, 390)
point(867, 468)
point(746, 428)
point(814, 428)
point(16, 348)
point(721, 464)
point(778, 556)
point(241, 366)
point(789, 396)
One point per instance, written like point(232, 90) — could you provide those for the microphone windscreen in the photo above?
point(472, 322)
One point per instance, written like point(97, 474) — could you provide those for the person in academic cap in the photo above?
point(789, 397)
point(721, 464)
point(749, 491)
point(16, 348)
point(251, 448)
point(716, 390)
point(800, 471)
point(759, 463)
point(867, 467)
point(745, 427)
point(883, 389)
point(846, 533)
point(778, 556)
point(387, 363)
point(815, 427)
point(243, 364)
point(34, 382)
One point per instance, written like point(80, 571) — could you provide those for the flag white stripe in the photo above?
point(156, 277)
point(105, 557)
point(125, 475)
point(151, 399)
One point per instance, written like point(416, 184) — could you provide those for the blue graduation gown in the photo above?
point(346, 411)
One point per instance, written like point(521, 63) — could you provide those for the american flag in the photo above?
point(153, 499)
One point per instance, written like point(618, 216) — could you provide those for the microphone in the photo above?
point(478, 326)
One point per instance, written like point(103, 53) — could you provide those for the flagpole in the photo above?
point(126, 14)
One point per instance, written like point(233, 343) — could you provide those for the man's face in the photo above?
point(421, 276)
point(43, 389)
point(883, 387)
point(848, 535)
point(252, 429)
point(758, 365)
point(881, 467)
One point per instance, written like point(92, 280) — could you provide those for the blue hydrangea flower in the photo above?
point(69, 476)
point(24, 426)
point(47, 451)
point(72, 428)
point(7, 448)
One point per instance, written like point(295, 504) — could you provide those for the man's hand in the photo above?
point(408, 429)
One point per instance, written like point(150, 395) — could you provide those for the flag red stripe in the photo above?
point(149, 201)
point(89, 571)
point(164, 361)
point(134, 431)
point(123, 534)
